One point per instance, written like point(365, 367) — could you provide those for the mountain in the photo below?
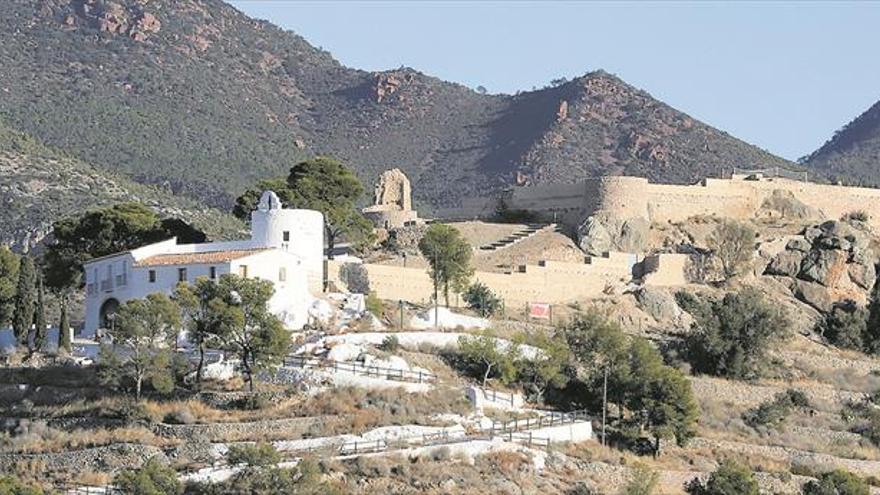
point(39, 185)
point(853, 151)
point(195, 96)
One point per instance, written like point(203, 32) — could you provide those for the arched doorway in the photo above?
point(109, 307)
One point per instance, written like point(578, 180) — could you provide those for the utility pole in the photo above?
point(436, 294)
point(400, 303)
point(604, 403)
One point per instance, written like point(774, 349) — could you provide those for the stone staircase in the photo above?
point(520, 235)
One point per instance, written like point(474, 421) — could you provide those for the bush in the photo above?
point(254, 455)
point(12, 486)
point(857, 215)
point(355, 277)
point(773, 413)
point(642, 481)
point(153, 478)
point(731, 335)
point(837, 482)
point(180, 416)
point(390, 344)
point(845, 325)
point(482, 300)
point(374, 305)
point(734, 245)
point(729, 479)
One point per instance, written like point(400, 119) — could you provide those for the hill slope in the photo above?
point(39, 185)
point(853, 151)
point(198, 96)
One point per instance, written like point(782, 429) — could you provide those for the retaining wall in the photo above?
point(550, 281)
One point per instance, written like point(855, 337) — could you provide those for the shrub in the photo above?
point(374, 305)
point(482, 300)
point(845, 325)
point(733, 243)
point(729, 479)
point(773, 413)
point(255, 455)
point(355, 277)
point(12, 486)
point(390, 344)
point(153, 478)
point(180, 416)
point(837, 482)
point(731, 335)
point(857, 215)
point(642, 481)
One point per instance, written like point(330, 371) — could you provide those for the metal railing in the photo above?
point(497, 397)
point(544, 421)
point(72, 488)
point(107, 285)
point(299, 361)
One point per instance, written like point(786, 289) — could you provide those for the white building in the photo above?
point(286, 248)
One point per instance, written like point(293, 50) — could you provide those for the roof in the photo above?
point(208, 257)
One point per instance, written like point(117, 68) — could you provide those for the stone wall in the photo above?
point(628, 197)
point(550, 281)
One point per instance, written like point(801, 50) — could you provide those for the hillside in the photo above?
point(853, 151)
point(39, 185)
point(196, 96)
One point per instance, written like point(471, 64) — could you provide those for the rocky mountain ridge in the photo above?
point(853, 152)
point(196, 96)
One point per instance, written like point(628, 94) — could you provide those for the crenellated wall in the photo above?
point(628, 197)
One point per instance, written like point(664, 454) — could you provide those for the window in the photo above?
point(152, 276)
point(213, 273)
point(286, 236)
point(181, 274)
point(242, 271)
point(282, 274)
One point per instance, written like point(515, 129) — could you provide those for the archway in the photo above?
point(109, 307)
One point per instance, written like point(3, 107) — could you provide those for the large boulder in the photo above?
point(813, 294)
point(824, 266)
point(593, 237)
point(861, 269)
point(599, 234)
point(787, 263)
point(633, 235)
point(661, 305)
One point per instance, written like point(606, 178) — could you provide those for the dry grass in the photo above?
point(41, 439)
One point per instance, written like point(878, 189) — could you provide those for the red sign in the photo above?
point(539, 310)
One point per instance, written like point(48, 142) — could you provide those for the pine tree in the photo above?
point(40, 317)
point(23, 314)
point(63, 327)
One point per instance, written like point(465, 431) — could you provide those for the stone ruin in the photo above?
point(392, 206)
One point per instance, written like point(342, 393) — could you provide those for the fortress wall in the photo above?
point(743, 199)
point(558, 283)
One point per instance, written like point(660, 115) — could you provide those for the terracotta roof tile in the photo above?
point(197, 258)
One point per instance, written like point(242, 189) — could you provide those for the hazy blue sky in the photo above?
point(781, 75)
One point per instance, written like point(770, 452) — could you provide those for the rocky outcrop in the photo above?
point(388, 83)
point(827, 263)
point(114, 18)
point(602, 233)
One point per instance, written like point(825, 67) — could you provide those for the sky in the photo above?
point(781, 75)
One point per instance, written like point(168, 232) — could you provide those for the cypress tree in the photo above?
point(25, 298)
point(63, 327)
point(40, 317)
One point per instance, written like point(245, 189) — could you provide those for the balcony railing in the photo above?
point(107, 285)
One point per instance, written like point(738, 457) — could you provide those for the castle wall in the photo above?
point(628, 197)
point(550, 282)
